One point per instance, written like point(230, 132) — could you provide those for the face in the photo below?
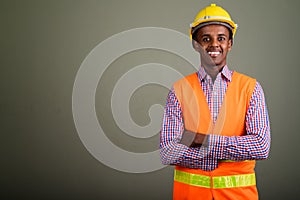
point(213, 43)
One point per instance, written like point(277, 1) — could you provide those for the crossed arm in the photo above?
point(182, 147)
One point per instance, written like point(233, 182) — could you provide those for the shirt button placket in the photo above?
point(214, 102)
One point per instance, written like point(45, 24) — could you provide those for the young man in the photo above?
point(215, 122)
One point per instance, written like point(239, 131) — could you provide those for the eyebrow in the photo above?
point(208, 35)
point(205, 35)
point(222, 34)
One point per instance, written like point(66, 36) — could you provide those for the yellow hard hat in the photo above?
point(213, 14)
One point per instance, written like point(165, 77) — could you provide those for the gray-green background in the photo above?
point(43, 44)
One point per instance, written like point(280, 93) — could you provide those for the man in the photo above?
point(215, 122)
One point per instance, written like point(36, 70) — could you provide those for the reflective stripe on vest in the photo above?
point(217, 181)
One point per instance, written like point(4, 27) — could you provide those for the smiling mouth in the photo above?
point(214, 53)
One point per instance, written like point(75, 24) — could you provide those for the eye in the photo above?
point(221, 38)
point(205, 39)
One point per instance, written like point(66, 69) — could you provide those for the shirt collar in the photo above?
point(226, 73)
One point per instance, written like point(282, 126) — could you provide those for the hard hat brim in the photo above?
point(227, 23)
point(195, 29)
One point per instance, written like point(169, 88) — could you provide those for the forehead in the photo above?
point(213, 29)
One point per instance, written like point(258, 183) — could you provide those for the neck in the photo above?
point(213, 71)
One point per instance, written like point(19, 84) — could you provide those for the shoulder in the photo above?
point(244, 80)
point(185, 86)
point(244, 83)
point(243, 77)
point(189, 79)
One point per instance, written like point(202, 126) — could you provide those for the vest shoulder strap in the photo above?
point(244, 83)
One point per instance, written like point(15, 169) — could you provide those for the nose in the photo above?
point(214, 42)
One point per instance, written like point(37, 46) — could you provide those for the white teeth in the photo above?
point(213, 53)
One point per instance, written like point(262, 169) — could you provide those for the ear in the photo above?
point(230, 43)
point(196, 45)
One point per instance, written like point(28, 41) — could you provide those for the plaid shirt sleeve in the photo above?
point(253, 146)
point(171, 151)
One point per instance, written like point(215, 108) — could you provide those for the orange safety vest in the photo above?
point(231, 179)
